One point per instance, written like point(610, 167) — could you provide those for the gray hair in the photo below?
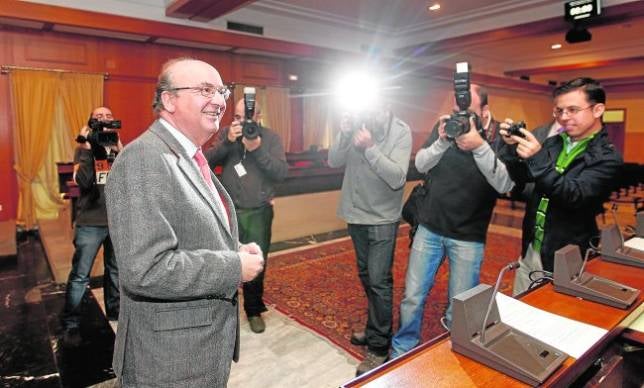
point(164, 82)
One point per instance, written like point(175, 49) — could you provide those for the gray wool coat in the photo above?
point(179, 269)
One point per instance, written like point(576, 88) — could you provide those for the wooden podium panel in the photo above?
point(434, 364)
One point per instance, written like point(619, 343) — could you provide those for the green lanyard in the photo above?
point(565, 158)
point(567, 154)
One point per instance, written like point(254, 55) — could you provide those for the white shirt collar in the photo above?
point(186, 143)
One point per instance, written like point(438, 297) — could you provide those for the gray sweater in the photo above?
point(372, 188)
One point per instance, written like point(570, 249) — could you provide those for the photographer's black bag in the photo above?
point(411, 208)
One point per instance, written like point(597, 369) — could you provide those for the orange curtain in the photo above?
point(33, 94)
point(81, 93)
point(277, 113)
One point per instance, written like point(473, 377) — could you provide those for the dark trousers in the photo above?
point(255, 226)
point(87, 241)
point(374, 246)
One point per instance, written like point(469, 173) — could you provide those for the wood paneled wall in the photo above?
point(133, 68)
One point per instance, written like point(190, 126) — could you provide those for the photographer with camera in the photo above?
point(573, 175)
point(92, 162)
point(253, 161)
point(465, 178)
point(374, 148)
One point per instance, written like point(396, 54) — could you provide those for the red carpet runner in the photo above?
point(319, 287)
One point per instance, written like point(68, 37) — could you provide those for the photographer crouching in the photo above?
point(98, 146)
point(464, 178)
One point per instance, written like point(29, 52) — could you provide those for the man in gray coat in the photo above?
point(174, 232)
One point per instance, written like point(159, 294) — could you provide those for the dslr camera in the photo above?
point(459, 121)
point(515, 129)
point(250, 128)
point(102, 133)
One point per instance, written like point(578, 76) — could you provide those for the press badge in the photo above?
point(102, 168)
point(239, 168)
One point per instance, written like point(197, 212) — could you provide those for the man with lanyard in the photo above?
point(573, 175)
point(251, 169)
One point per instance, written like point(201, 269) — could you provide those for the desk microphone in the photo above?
point(513, 265)
point(613, 210)
point(583, 264)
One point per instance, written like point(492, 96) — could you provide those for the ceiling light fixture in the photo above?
point(434, 7)
point(556, 46)
point(292, 77)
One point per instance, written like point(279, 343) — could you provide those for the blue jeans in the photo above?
point(375, 246)
point(427, 253)
point(87, 240)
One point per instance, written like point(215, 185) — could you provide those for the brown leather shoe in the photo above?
point(257, 324)
point(370, 362)
point(358, 338)
point(72, 338)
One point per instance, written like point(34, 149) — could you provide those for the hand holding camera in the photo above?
point(362, 139)
point(103, 133)
point(470, 140)
point(251, 144)
point(527, 144)
point(82, 135)
point(234, 131)
point(441, 128)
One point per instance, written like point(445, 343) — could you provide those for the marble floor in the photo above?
point(286, 355)
point(31, 351)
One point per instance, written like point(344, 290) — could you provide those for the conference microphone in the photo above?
point(513, 265)
point(613, 210)
point(583, 265)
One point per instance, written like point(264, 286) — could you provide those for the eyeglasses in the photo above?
point(570, 111)
point(207, 91)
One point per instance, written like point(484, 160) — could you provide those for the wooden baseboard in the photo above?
point(8, 246)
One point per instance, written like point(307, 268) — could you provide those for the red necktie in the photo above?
point(205, 172)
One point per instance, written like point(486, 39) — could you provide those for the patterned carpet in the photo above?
point(319, 287)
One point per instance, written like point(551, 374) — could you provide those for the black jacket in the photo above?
point(576, 196)
point(265, 167)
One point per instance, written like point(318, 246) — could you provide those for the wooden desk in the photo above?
point(434, 364)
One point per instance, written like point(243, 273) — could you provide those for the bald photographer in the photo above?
point(98, 145)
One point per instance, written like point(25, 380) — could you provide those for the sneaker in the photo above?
point(444, 323)
point(370, 362)
point(257, 324)
point(358, 338)
point(72, 338)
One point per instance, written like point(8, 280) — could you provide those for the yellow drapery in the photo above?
point(317, 125)
point(33, 94)
point(41, 136)
point(278, 106)
point(45, 190)
point(81, 93)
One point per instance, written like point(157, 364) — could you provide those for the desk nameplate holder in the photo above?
point(505, 349)
point(613, 249)
point(567, 280)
